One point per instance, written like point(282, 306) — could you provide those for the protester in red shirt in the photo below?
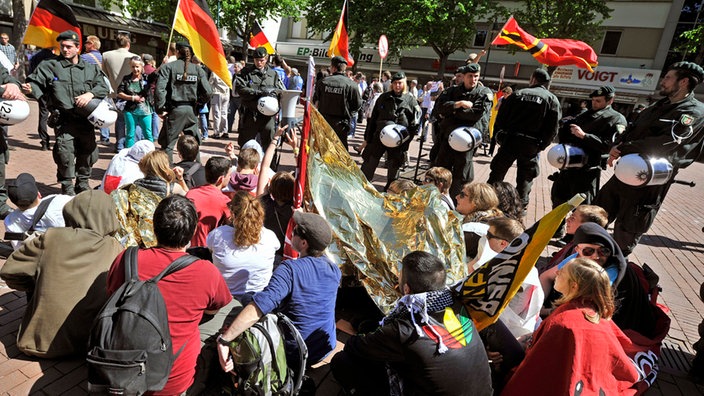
point(211, 204)
point(188, 293)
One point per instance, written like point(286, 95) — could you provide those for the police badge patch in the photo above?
point(686, 120)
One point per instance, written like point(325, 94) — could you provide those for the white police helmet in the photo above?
point(268, 105)
point(13, 111)
point(636, 170)
point(394, 135)
point(563, 156)
point(463, 139)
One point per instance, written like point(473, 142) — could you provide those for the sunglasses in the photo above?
point(603, 252)
point(429, 180)
point(463, 194)
point(490, 235)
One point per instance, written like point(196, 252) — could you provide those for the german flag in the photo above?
point(551, 52)
point(49, 19)
point(339, 46)
point(194, 21)
point(257, 39)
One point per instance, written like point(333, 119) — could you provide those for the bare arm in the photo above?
point(249, 316)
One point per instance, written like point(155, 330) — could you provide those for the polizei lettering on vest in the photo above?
point(333, 90)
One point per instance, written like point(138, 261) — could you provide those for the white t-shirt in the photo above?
point(244, 269)
point(19, 221)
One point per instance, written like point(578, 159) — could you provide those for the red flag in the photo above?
point(339, 46)
point(257, 39)
point(49, 19)
point(194, 22)
point(551, 52)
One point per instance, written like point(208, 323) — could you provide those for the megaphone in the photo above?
point(636, 170)
point(13, 111)
point(99, 112)
point(563, 156)
point(289, 100)
point(394, 135)
point(463, 139)
point(268, 105)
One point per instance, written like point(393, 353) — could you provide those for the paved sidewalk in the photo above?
point(673, 248)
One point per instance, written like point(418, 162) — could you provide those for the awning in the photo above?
point(94, 17)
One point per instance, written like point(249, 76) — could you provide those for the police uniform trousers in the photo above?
point(181, 118)
point(4, 160)
point(459, 163)
point(253, 124)
point(633, 209)
point(575, 181)
point(394, 160)
point(525, 152)
point(341, 126)
point(43, 119)
point(75, 153)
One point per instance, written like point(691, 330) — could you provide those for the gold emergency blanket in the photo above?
point(374, 231)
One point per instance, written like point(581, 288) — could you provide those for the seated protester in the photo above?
point(246, 175)
point(189, 293)
point(476, 202)
point(442, 179)
point(509, 200)
point(124, 166)
point(581, 215)
point(428, 341)
point(193, 171)
point(24, 194)
point(63, 272)
point(400, 186)
point(265, 171)
point(303, 289)
point(577, 349)
point(244, 250)
point(210, 202)
point(278, 208)
point(159, 178)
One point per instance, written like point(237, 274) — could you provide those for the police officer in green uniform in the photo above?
point(464, 105)
point(396, 106)
point(671, 128)
point(337, 98)
point(70, 83)
point(9, 90)
point(180, 86)
point(254, 82)
point(594, 132)
point(526, 124)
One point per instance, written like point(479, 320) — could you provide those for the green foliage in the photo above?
point(693, 39)
point(574, 19)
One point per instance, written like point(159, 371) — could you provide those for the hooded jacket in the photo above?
point(64, 273)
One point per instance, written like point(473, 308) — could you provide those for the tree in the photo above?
point(693, 43)
point(20, 22)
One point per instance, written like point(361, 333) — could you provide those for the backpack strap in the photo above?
point(41, 210)
point(178, 264)
point(272, 350)
point(131, 263)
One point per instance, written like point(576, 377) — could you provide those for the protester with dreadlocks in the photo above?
point(180, 86)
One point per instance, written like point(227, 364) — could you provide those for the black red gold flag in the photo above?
point(49, 19)
point(339, 46)
point(258, 39)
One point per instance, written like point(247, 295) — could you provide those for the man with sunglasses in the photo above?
point(304, 289)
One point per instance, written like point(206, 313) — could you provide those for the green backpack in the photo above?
point(261, 372)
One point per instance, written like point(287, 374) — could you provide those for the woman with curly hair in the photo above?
point(244, 251)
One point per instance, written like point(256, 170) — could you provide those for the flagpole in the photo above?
point(171, 34)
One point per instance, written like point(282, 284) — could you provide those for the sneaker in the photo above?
point(45, 146)
point(206, 138)
point(214, 136)
point(224, 136)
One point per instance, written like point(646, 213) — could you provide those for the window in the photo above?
point(611, 41)
point(480, 38)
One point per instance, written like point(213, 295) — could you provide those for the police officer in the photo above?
point(254, 82)
point(592, 131)
point(396, 106)
point(526, 124)
point(337, 98)
point(180, 87)
point(9, 90)
point(671, 128)
point(465, 105)
point(70, 83)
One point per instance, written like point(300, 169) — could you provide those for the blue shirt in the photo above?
point(305, 290)
point(611, 270)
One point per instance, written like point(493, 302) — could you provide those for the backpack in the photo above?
point(188, 175)
point(130, 343)
point(31, 233)
point(269, 358)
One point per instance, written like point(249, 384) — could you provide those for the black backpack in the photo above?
point(130, 350)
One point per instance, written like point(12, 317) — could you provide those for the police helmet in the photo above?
point(463, 139)
point(268, 105)
point(13, 111)
point(99, 112)
point(394, 135)
point(563, 156)
point(636, 170)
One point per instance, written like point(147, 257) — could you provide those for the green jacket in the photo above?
point(63, 81)
point(171, 89)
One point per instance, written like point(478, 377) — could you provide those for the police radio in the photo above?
point(636, 170)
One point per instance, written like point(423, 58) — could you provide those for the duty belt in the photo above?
point(529, 137)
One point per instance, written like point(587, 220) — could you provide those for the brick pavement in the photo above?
point(673, 248)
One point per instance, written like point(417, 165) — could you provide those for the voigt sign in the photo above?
point(619, 77)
